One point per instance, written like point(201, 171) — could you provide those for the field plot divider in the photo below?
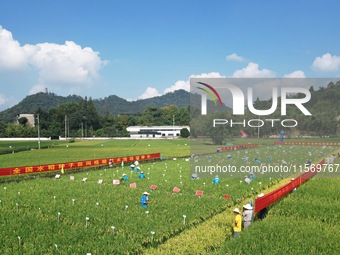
point(272, 197)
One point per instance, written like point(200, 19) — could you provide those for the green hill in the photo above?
point(112, 104)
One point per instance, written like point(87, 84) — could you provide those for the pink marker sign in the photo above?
point(176, 190)
point(199, 193)
point(116, 182)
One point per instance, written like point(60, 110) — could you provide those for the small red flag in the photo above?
point(153, 187)
point(225, 196)
point(133, 185)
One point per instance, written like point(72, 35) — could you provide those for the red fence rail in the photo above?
point(237, 147)
point(308, 143)
point(272, 197)
point(77, 164)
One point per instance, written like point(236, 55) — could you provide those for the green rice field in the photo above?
point(72, 216)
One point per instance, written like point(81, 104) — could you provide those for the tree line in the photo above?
point(81, 119)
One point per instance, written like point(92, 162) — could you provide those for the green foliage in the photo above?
point(81, 119)
point(23, 121)
point(14, 130)
point(117, 105)
point(202, 126)
point(30, 104)
point(111, 104)
point(185, 133)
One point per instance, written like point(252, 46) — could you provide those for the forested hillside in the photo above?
point(111, 104)
point(110, 116)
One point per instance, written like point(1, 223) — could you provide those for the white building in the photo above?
point(155, 131)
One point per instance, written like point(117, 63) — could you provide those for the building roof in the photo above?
point(136, 128)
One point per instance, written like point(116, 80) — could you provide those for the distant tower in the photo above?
point(46, 90)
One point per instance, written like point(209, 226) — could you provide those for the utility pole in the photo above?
point(173, 125)
point(84, 118)
point(38, 132)
point(82, 130)
point(65, 127)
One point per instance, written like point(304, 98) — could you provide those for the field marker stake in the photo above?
point(152, 234)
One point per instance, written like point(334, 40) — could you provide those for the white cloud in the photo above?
point(327, 63)
point(12, 55)
point(185, 85)
point(149, 92)
point(177, 86)
point(295, 74)
point(252, 71)
point(235, 57)
point(6, 101)
point(208, 75)
point(58, 65)
point(2, 99)
point(67, 63)
point(180, 84)
point(36, 89)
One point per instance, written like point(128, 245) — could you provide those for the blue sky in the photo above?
point(140, 49)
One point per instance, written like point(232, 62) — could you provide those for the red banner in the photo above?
point(78, 164)
point(237, 147)
point(308, 143)
point(272, 197)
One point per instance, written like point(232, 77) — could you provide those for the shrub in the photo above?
point(185, 133)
